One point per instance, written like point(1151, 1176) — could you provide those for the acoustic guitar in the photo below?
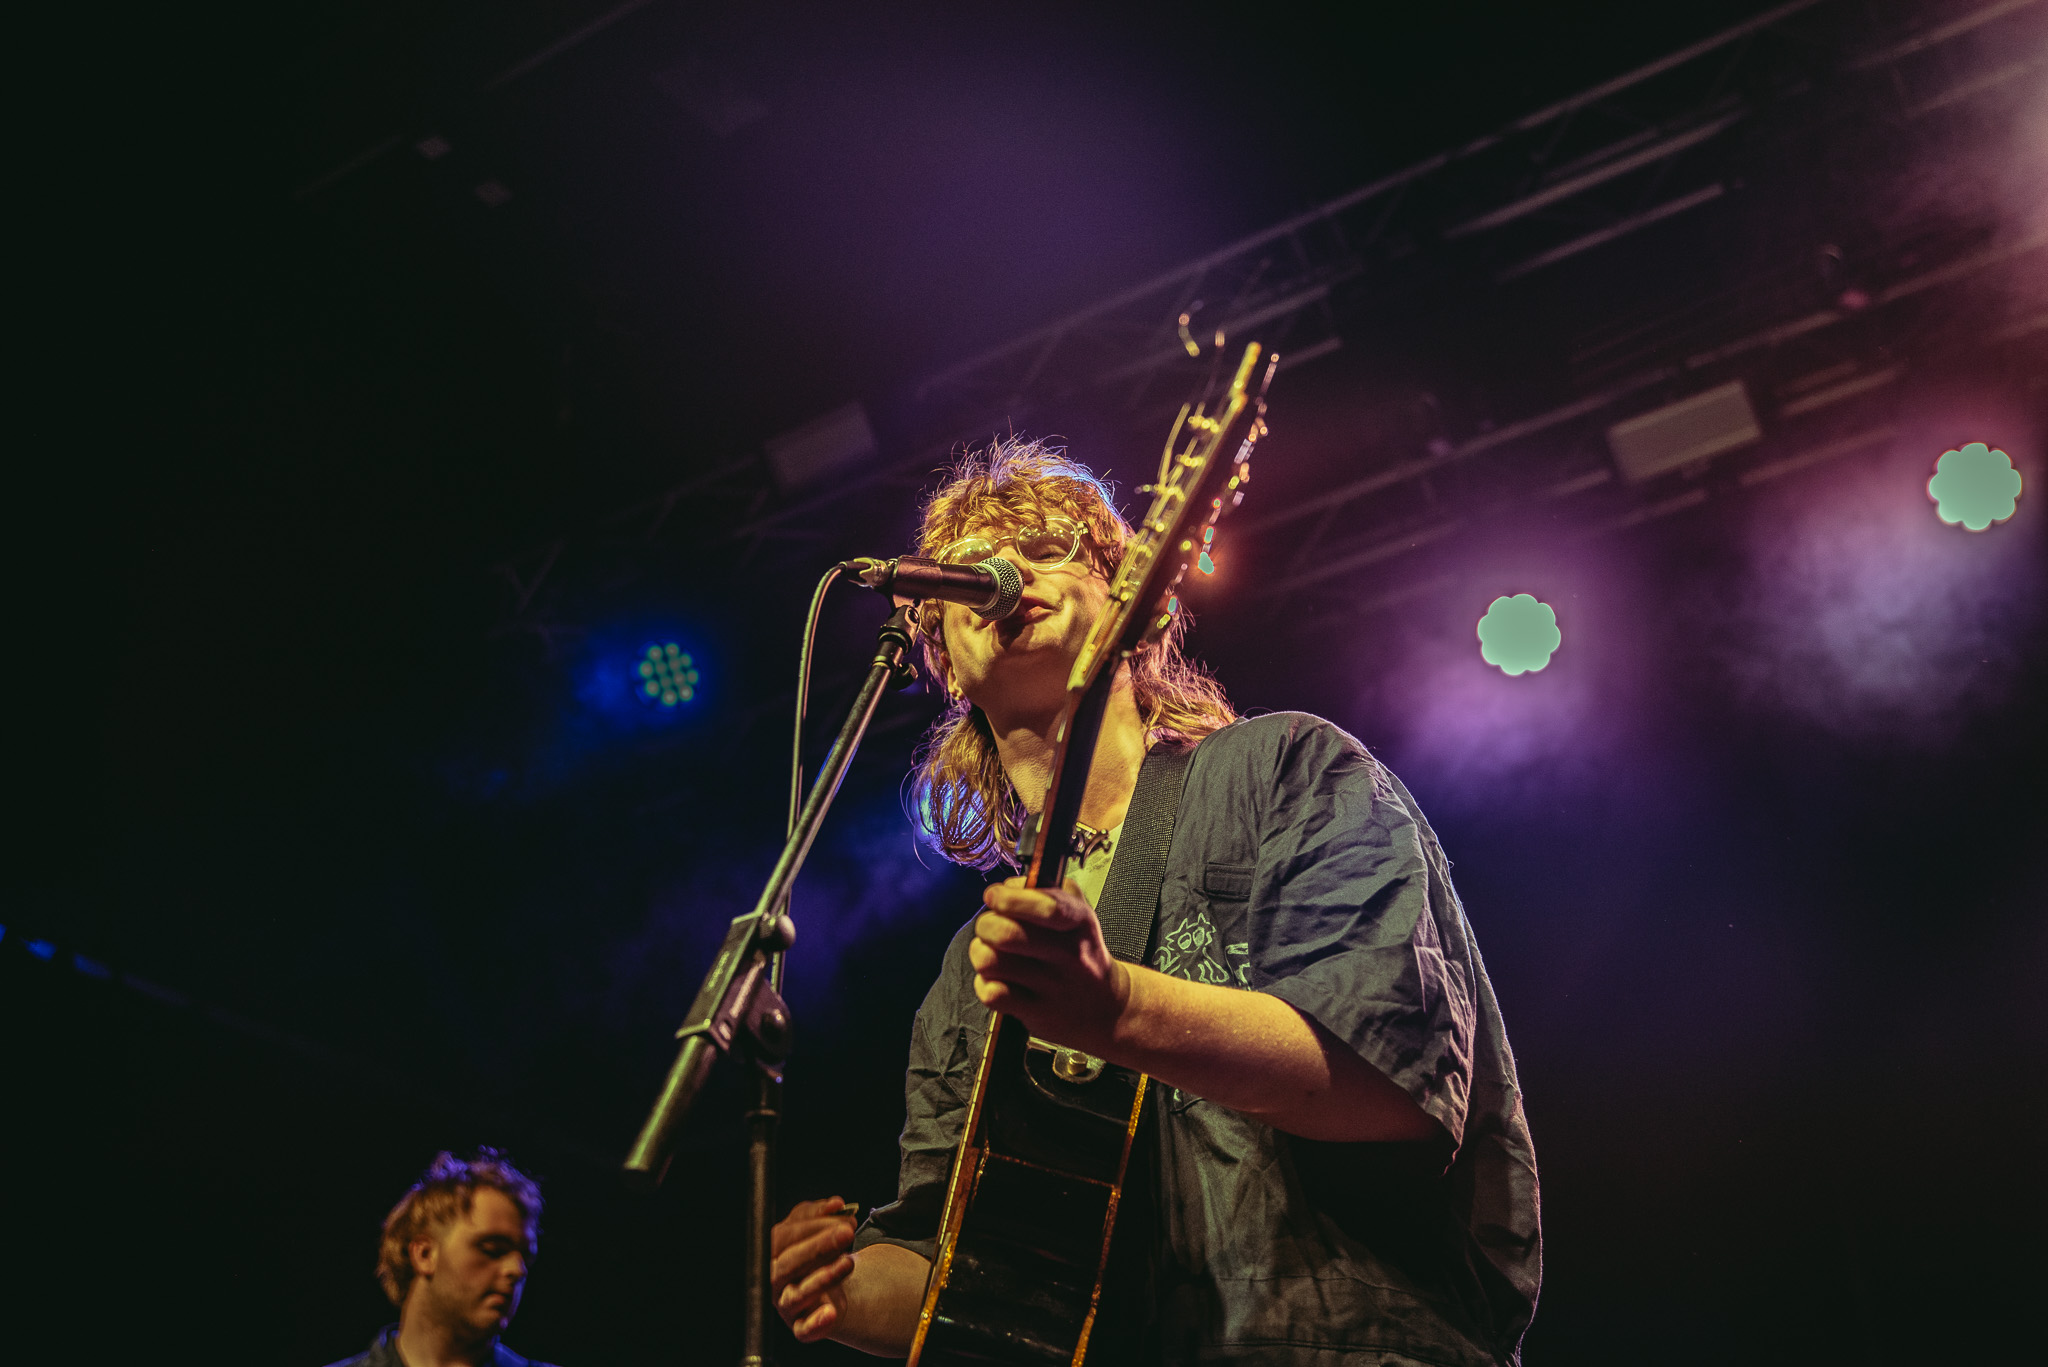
point(1025, 1234)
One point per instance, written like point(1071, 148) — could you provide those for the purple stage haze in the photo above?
point(1860, 611)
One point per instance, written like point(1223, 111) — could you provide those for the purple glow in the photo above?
point(1475, 733)
point(865, 878)
point(1866, 616)
point(2001, 170)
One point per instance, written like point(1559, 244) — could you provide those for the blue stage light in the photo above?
point(1975, 486)
point(1518, 635)
point(668, 675)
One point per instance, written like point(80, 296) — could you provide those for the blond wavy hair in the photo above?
point(443, 1194)
point(962, 800)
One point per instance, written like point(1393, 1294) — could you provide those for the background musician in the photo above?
point(454, 1258)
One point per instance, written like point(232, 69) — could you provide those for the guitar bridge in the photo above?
point(1069, 1065)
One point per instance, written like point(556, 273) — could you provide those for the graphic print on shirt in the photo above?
point(1190, 948)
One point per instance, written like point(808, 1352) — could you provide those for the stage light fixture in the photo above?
point(668, 675)
point(1975, 486)
point(1518, 635)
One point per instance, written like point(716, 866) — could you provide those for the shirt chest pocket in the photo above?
point(1227, 882)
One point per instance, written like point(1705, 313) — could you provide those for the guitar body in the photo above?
point(1034, 1200)
point(1046, 1142)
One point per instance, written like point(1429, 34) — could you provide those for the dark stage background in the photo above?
point(392, 376)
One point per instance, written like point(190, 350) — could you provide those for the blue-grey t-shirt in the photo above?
point(1301, 867)
point(383, 1352)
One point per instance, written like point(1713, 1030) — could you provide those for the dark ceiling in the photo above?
point(362, 344)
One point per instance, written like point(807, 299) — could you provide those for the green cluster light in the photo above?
point(668, 675)
point(1518, 635)
point(1975, 486)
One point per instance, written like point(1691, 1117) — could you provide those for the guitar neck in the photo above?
point(1061, 808)
point(1025, 1232)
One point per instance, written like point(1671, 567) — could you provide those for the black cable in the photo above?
point(803, 698)
point(796, 742)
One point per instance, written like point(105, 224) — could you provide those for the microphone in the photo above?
point(992, 587)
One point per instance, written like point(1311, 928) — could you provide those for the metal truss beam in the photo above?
point(1274, 278)
point(1603, 154)
point(1313, 563)
point(1939, 34)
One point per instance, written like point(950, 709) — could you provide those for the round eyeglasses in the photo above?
point(1044, 547)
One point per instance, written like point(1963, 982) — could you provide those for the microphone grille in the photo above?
point(1009, 589)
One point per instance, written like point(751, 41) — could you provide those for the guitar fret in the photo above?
point(998, 1157)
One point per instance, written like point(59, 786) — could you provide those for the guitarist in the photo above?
point(1341, 1172)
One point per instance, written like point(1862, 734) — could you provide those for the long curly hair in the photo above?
point(961, 799)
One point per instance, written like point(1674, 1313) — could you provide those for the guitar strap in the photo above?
point(1130, 899)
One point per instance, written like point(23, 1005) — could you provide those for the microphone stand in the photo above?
point(740, 1004)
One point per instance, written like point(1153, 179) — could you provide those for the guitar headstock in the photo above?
point(1201, 476)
